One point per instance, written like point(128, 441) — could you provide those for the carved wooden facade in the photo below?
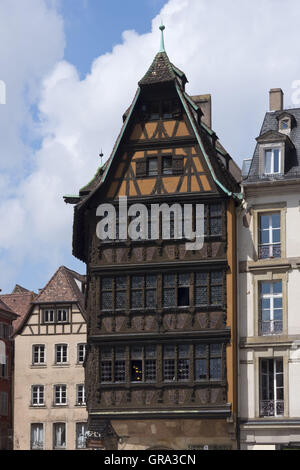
point(161, 318)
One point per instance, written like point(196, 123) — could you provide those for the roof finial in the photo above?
point(101, 156)
point(162, 41)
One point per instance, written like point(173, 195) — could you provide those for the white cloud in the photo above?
point(236, 50)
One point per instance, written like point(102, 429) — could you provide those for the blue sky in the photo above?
point(71, 68)
point(93, 27)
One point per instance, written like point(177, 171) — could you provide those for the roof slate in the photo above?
point(271, 124)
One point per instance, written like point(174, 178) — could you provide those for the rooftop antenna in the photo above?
point(162, 40)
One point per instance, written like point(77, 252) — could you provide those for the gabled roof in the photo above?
point(273, 136)
point(162, 71)
point(61, 288)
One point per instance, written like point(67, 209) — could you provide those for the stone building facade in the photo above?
point(50, 345)
point(269, 278)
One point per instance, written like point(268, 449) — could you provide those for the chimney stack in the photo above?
point(204, 103)
point(276, 99)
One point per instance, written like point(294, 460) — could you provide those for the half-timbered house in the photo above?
point(160, 369)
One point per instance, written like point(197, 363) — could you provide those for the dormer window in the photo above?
point(272, 161)
point(285, 124)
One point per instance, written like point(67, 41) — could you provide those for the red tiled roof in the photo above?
point(62, 287)
point(18, 303)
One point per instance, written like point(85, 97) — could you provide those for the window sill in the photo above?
point(61, 365)
point(38, 366)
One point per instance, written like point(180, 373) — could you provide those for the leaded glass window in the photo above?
point(107, 293)
point(113, 293)
point(209, 288)
point(208, 361)
point(213, 220)
point(150, 363)
point(143, 292)
point(176, 290)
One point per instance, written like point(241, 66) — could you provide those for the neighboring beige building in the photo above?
point(269, 280)
point(50, 344)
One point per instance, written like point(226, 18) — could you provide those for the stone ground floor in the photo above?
point(270, 435)
point(169, 434)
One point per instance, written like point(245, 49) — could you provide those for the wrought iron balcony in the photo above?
point(269, 251)
point(269, 328)
point(271, 408)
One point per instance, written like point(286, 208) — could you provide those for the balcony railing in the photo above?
point(269, 251)
point(271, 327)
point(271, 408)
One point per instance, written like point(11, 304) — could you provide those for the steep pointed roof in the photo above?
point(19, 289)
point(162, 70)
point(62, 287)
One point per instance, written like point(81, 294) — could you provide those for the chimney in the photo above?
point(276, 99)
point(204, 103)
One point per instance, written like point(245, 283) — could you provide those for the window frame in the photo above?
point(272, 149)
point(271, 297)
point(41, 427)
point(62, 398)
point(80, 395)
point(274, 389)
point(184, 356)
point(39, 362)
point(271, 245)
point(56, 352)
point(83, 425)
point(40, 392)
point(59, 447)
point(84, 346)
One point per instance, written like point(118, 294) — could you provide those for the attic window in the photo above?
point(272, 161)
point(285, 124)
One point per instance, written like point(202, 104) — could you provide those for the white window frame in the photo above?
point(39, 362)
point(272, 296)
point(59, 351)
point(83, 346)
point(80, 395)
point(63, 428)
point(65, 315)
point(270, 229)
point(39, 391)
point(49, 312)
point(60, 395)
point(272, 149)
point(274, 385)
point(37, 444)
point(80, 436)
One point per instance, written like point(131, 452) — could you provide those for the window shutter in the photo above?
point(141, 168)
point(177, 164)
